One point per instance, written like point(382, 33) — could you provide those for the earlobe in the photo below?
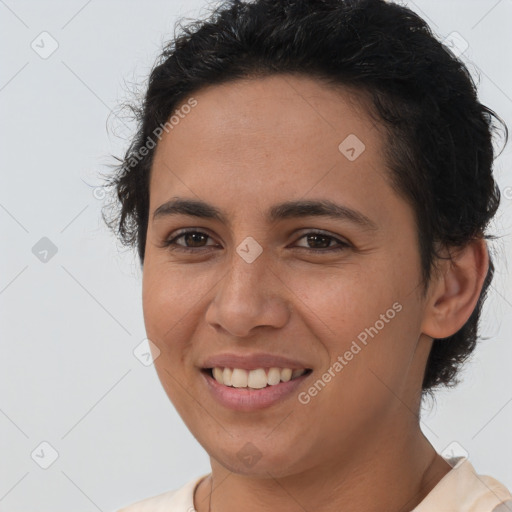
point(455, 292)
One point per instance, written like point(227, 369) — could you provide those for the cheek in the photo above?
point(169, 291)
point(169, 298)
point(362, 316)
point(343, 301)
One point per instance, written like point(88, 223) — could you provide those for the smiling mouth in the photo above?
point(254, 379)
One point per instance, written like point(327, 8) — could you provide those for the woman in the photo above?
point(309, 191)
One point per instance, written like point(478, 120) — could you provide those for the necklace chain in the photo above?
point(211, 490)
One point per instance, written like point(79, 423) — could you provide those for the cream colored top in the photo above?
point(460, 490)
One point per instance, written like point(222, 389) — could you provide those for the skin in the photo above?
point(357, 445)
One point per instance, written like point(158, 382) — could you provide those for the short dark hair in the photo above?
point(439, 146)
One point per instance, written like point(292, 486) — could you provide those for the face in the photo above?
point(335, 294)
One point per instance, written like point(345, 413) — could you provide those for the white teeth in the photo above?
point(217, 373)
point(226, 376)
point(286, 374)
point(274, 376)
point(257, 379)
point(254, 379)
point(239, 378)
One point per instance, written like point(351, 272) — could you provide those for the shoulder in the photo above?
point(462, 489)
point(177, 500)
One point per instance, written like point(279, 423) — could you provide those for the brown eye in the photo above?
point(321, 242)
point(193, 240)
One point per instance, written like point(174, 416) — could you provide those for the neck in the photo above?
point(394, 472)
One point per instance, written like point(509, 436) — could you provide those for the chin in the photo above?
point(258, 459)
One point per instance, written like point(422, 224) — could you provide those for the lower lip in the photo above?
point(245, 399)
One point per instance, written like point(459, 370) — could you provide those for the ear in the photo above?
point(453, 294)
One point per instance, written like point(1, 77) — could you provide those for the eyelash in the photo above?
point(171, 243)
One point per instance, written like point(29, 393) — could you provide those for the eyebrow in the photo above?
point(281, 211)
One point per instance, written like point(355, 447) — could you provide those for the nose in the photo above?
point(249, 295)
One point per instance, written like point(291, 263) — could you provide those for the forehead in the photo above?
point(275, 137)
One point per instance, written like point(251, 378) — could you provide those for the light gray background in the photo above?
point(69, 326)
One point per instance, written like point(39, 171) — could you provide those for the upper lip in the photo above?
point(252, 361)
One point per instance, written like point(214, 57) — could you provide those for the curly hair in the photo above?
point(439, 148)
